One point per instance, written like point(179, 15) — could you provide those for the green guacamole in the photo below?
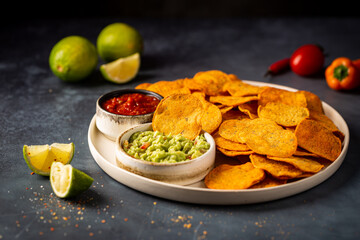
point(156, 147)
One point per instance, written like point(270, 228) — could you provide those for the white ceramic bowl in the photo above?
point(181, 173)
point(111, 124)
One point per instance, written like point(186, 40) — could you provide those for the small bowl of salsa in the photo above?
point(122, 109)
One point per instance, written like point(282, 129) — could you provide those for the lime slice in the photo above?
point(67, 181)
point(121, 70)
point(40, 157)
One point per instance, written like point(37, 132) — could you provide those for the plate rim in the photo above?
point(281, 191)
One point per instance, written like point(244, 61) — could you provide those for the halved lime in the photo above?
point(67, 181)
point(40, 157)
point(121, 70)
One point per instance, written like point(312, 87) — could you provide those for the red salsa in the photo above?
point(131, 104)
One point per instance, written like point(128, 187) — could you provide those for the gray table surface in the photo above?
point(38, 108)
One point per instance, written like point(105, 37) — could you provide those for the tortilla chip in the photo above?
point(229, 145)
point(211, 117)
point(180, 81)
point(231, 101)
point(192, 85)
point(232, 129)
point(304, 153)
point(250, 109)
point(166, 88)
point(234, 176)
point(316, 138)
point(323, 161)
point(339, 135)
point(224, 109)
point(270, 94)
point(178, 114)
point(211, 82)
point(233, 77)
point(282, 114)
point(291, 128)
point(234, 114)
point(279, 170)
point(239, 88)
point(328, 123)
point(264, 136)
point(304, 164)
point(200, 95)
point(233, 153)
point(306, 174)
point(313, 102)
point(269, 181)
point(143, 86)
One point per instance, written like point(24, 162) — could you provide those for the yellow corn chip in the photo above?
point(316, 138)
point(234, 114)
point(231, 101)
point(279, 170)
point(211, 82)
point(229, 145)
point(269, 181)
point(283, 114)
point(234, 176)
point(326, 122)
point(143, 86)
point(270, 94)
point(233, 129)
point(264, 136)
point(178, 114)
point(240, 89)
point(233, 153)
point(166, 88)
point(313, 102)
point(304, 164)
point(250, 109)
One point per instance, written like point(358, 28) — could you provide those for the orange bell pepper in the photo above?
point(357, 63)
point(342, 74)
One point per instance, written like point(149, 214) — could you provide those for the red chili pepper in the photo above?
point(278, 66)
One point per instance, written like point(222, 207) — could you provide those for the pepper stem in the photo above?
point(341, 72)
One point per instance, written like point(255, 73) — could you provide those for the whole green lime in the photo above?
point(118, 40)
point(73, 58)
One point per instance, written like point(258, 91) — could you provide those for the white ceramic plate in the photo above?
point(103, 151)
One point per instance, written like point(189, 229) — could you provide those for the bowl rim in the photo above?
point(120, 92)
point(119, 148)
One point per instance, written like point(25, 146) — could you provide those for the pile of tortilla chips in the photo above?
point(275, 135)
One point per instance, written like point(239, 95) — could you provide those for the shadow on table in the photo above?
point(90, 199)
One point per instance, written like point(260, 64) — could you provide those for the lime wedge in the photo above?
point(121, 70)
point(67, 181)
point(40, 157)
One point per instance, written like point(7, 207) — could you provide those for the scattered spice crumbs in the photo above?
point(56, 213)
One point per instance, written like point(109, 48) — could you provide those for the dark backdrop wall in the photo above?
point(14, 10)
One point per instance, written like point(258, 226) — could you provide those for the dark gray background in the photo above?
point(38, 108)
point(14, 11)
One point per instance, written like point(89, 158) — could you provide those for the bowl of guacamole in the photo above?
point(168, 158)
